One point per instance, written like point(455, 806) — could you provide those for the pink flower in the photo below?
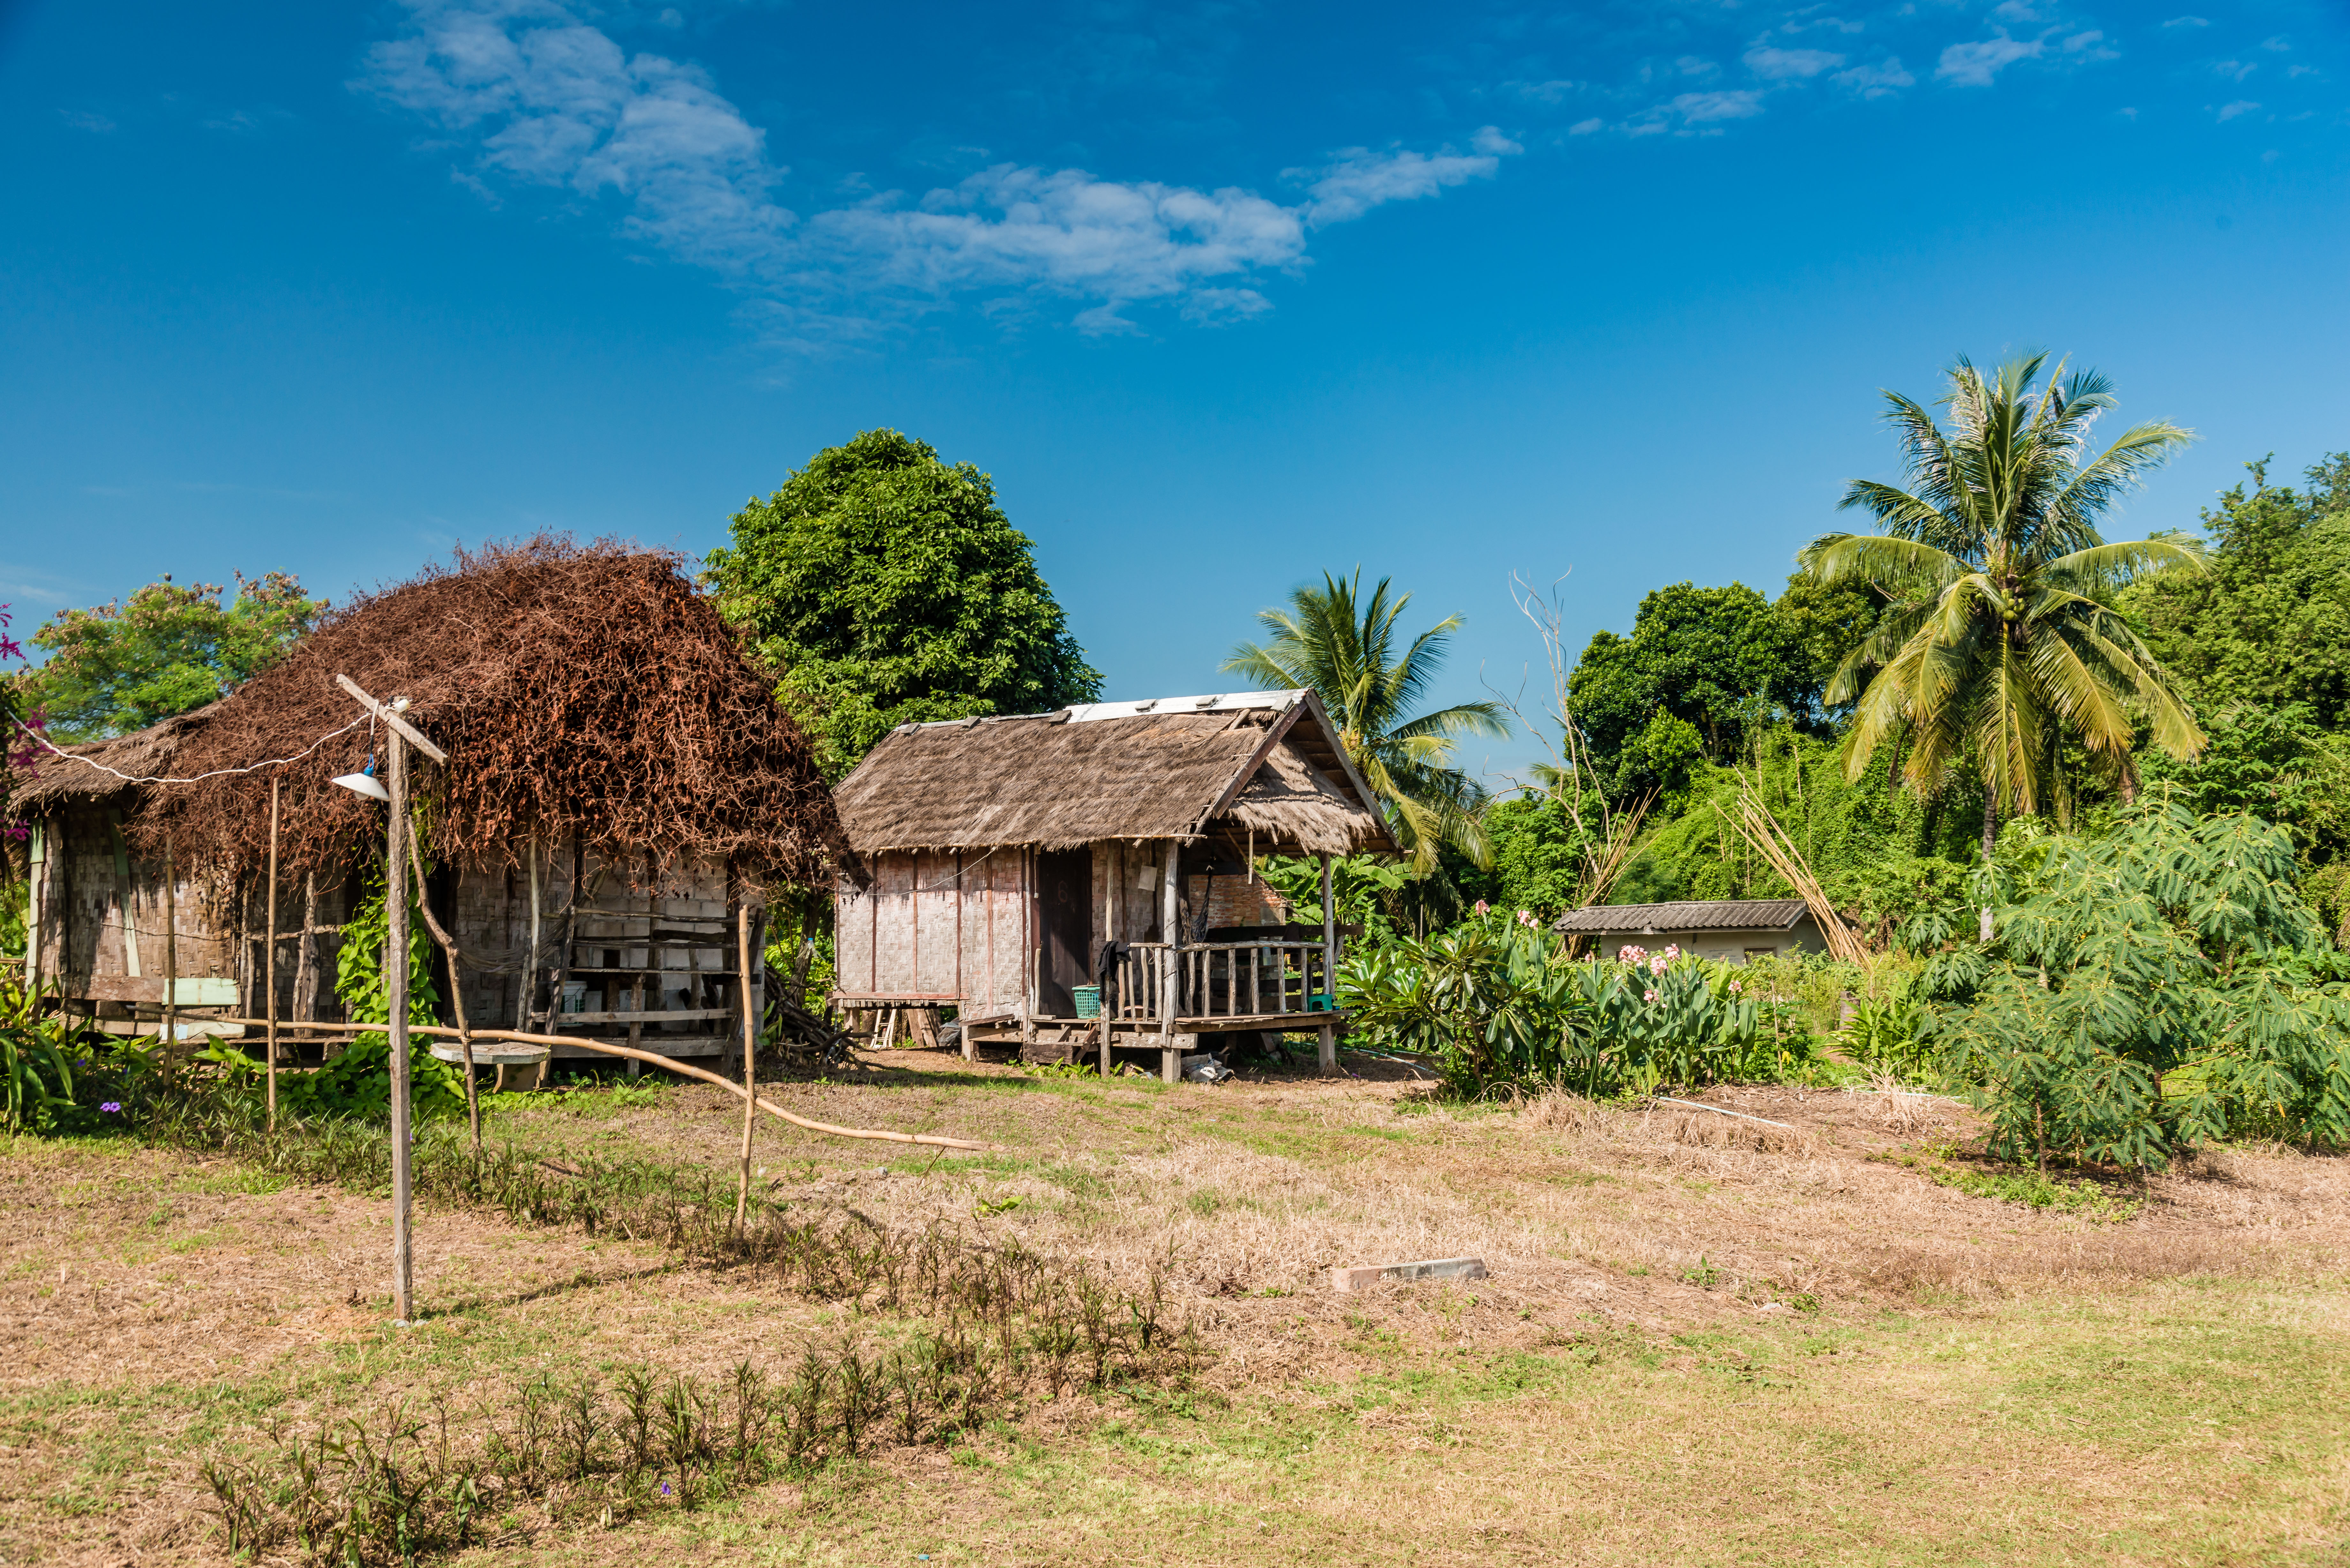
point(1650, 996)
point(1627, 953)
point(1672, 950)
point(1525, 917)
point(1735, 988)
point(1657, 964)
point(1481, 906)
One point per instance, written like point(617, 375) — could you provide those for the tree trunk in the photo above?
point(2129, 780)
point(1990, 843)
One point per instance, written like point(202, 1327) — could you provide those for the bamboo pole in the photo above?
point(170, 954)
point(750, 1056)
point(269, 963)
point(1773, 842)
point(671, 1065)
point(395, 960)
point(1327, 1058)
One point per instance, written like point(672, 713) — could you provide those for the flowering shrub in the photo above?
point(1499, 1002)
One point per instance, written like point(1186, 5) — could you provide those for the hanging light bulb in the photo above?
point(364, 782)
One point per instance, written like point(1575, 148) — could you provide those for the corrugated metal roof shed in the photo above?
point(1695, 915)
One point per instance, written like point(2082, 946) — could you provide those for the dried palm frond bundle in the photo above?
point(579, 690)
point(1762, 830)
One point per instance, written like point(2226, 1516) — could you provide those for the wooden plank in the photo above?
point(650, 1015)
point(384, 711)
point(1370, 1274)
point(692, 1045)
point(193, 990)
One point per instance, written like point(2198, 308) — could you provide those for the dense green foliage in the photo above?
point(2261, 645)
point(169, 649)
point(2146, 991)
point(885, 587)
point(1500, 1002)
point(358, 1083)
point(1345, 648)
point(2002, 649)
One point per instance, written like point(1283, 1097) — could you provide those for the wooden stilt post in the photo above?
point(1170, 983)
point(395, 986)
point(529, 988)
point(1116, 869)
point(1329, 1051)
point(269, 963)
point(750, 1058)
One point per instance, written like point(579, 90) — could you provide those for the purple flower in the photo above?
point(664, 1489)
point(112, 1108)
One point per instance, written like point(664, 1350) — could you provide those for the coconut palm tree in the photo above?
point(2000, 640)
point(1343, 647)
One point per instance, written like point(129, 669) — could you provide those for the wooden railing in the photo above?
point(1219, 979)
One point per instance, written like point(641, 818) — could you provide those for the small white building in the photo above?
point(1731, 929)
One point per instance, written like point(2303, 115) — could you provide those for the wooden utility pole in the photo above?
point(269, 959)
point(395, 988)
point(395, 977)
point(750, 1053)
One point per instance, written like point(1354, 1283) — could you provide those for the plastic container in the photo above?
point(1088, 1000)
point(1320, 1002)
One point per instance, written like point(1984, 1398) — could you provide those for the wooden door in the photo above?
point(1064, 922)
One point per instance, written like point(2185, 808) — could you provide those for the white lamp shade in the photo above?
point(366, 784)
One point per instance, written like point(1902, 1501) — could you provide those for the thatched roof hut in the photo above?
point(1023, 866)
point(620, 779)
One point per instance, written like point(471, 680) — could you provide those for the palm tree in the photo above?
point(1343, 647)
point(2001, 639)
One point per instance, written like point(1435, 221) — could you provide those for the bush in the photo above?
point(2143, 992)
point(1500, 1002)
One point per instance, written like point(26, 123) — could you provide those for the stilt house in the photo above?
point(620, 787)
point(1085, 881)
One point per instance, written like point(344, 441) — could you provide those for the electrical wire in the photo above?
point(216, 773)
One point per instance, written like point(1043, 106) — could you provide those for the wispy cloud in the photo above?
point(83, 119)
point(2230, 111)
point(1975, 64)
point(544, 98)
point(1879, 78)
point(1781, 65)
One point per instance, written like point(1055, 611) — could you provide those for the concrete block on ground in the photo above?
point(1367, 1274)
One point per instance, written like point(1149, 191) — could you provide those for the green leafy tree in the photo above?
point(2269, 624)
point(1706, 657)
point(1346, 649)
point(886, 586)
point(170, 648)
point(2146, 991)
point(2001, 641)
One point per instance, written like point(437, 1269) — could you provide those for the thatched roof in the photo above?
point(587, 690)
point(1693, 914)
point(82, 775)
point(1175, 767)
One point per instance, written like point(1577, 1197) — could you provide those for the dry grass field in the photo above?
point(1704, 1339)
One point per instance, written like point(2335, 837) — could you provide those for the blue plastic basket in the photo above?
point(1088, 1000)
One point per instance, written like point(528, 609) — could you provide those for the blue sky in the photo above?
point(1222, 294)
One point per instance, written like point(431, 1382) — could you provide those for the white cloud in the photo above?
point(2234, 70)
point(1702, 108)
point(1782, 65)
point(545, 99)
point(2279, 45)
point(2186, 22)
point(1586, 127)
point(1361, 179)
point(2230, 111)
point(1975, 64)
point(1880, 80)
point(82, 119)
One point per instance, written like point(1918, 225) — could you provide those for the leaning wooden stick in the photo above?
point(456, 988)
point(680, 1068)
point(750, 1055)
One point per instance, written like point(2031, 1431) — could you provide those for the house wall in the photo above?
point(1728, 946)
point(101, 933)
point(936, 925)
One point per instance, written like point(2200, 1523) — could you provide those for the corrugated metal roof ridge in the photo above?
point(1687, 915)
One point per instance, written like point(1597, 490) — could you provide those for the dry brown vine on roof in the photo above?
point(577, 689)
